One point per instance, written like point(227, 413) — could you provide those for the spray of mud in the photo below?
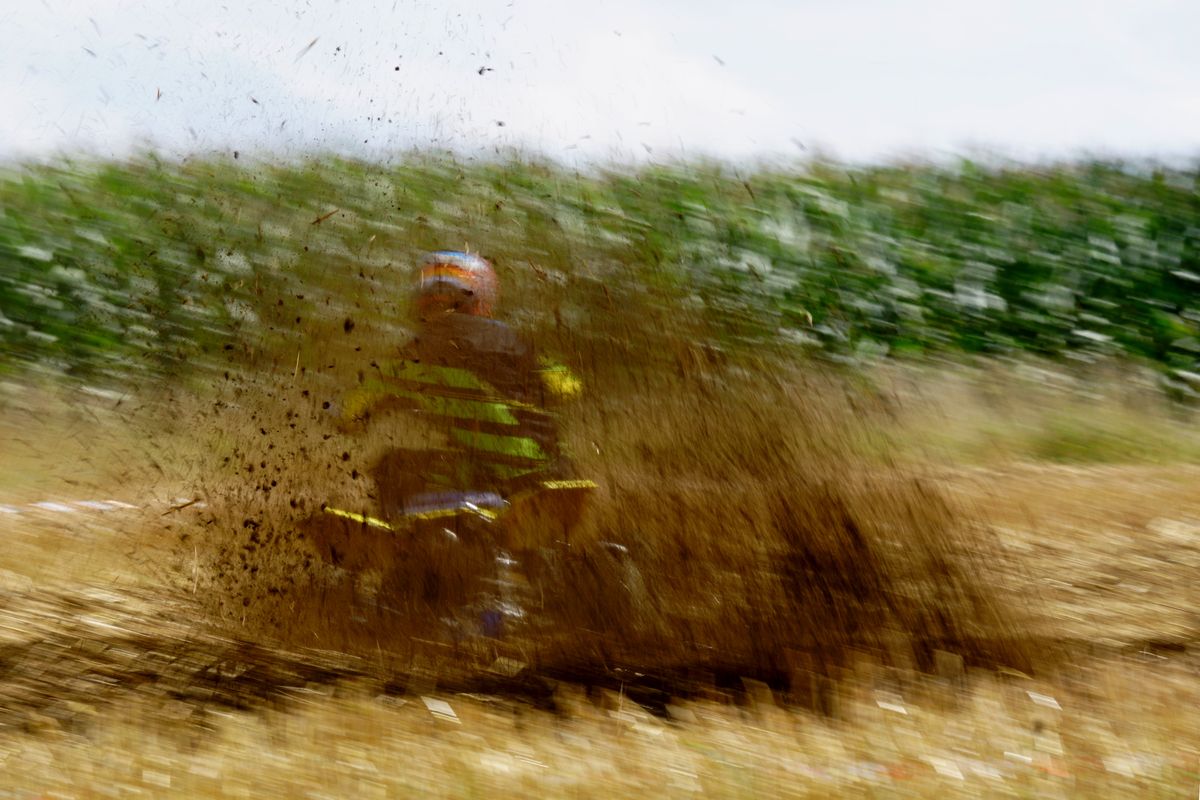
point(737, 529)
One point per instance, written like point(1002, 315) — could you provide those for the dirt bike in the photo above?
point(455, 552)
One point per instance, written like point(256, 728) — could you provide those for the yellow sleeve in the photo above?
point(558, 380)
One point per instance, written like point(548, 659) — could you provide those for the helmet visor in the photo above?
point(438, 272)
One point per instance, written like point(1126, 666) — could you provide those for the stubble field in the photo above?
point(1051, 652)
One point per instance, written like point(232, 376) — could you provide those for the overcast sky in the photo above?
point(599, 80)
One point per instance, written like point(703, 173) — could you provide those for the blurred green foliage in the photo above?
point(114, 271)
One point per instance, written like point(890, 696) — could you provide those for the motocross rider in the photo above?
point(476, 379)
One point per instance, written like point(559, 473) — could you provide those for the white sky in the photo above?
point(602, 79)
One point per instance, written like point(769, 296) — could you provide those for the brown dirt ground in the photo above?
point(108, 687)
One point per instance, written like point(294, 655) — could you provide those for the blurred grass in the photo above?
point(117, 271)
point(993, 412)
point(1125, 732)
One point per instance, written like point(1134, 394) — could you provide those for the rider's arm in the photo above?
point(558, 380)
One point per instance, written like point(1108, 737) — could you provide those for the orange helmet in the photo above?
point(455, 281)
